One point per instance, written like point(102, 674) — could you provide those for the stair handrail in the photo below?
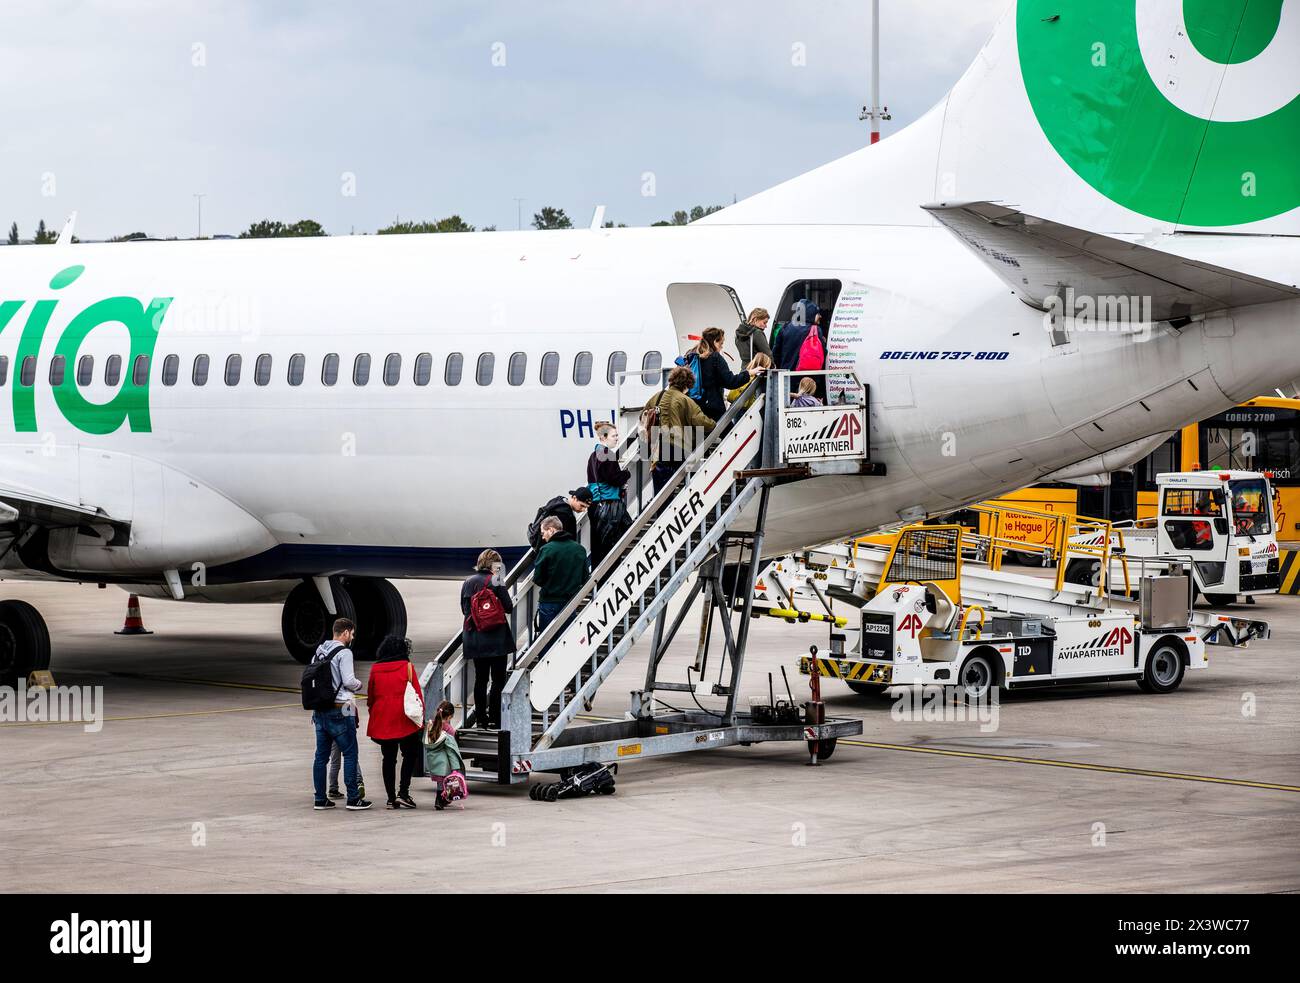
point(542, 642)
point(521, 573)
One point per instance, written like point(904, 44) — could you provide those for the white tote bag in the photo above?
point(412, 705)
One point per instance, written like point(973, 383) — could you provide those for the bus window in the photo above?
point(1250, 507)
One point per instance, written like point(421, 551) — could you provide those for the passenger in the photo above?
point(807, 393)
point(388, 724)
point(488, 640)
point(674, 424)
point(751, 336)
point(338, 726)
point(760, 362)
point(606, 480)
point(566, 509)
point(715, 377)
point(560, 572)
point(336, 767)
point(442, 760)
point(790, 354)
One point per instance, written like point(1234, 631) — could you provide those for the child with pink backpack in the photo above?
point(442, 758)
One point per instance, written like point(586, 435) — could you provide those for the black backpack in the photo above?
point(535, 527)
point(318, 689)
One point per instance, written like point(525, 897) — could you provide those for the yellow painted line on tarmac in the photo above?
point(1076, 765)
point(207, 682)
point(152, 716)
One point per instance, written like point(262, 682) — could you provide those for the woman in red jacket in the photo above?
point(389, 726)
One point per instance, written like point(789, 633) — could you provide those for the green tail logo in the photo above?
point(1123, 131)
point(130, 404)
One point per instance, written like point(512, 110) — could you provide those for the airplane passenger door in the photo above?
point(696, 306)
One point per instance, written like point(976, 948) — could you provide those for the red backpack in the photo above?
point(485, 610)
point(812, 354)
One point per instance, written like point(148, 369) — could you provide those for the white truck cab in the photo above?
point(1221, 523)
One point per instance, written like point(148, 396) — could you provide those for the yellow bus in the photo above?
point(1262, 434)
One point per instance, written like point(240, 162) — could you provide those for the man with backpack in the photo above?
point(566, 509)
point(488, 640)
point(801, 345)
point(561, 570)
point(328, 683)
point(674, 425)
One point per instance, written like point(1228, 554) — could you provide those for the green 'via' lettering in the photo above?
point(130, 404)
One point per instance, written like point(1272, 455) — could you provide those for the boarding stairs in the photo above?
point(712, 509)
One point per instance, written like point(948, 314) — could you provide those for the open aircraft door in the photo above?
point(696, 306)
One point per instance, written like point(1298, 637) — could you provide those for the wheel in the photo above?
point(1220, 600)
point(1164, 670)
point(976, 678)
point(825, 748)
point(24, 642)
point(380, 611)
point(1085, 572)
point(305, 623)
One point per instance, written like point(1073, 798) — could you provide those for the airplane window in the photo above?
point(112, 370)
point(518, 367)
point(329, 370)
point(262, 370)
point(617, 364)
point(423, 369)
point(455, 365)
point(140, 371)
point(361, 370)
point(652, 367)
point(200, 375)
point(234, 366)
point(487, 363)
point(297, 369)
point(171, 370)
point(58, 366)
point(392, 369)
point(582, 369)
point(27, 376)
point(550, 368)
point(4, 369)
point(86, 370)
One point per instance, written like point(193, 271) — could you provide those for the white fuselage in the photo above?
point(261, 482)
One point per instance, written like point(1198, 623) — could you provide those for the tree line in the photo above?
point(549, 217)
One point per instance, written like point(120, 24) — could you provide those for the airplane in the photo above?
point(1090, 241)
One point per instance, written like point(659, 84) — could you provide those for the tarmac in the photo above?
point(200, 781)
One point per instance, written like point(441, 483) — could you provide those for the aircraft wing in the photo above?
point(1039, 259)
point(21, 503)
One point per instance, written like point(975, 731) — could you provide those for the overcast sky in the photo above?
point(123, 109)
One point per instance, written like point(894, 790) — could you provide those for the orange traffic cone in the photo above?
point(134, 623)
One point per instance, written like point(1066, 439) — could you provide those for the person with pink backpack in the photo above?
point(442, 758)
point(801, 345)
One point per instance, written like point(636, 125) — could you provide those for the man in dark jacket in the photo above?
point(564, 508)
point(791, 337)
point(561, 571)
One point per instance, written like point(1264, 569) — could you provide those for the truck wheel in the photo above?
point(1085, 572)
point(1220, 600)
point(1164, 670)
point(976, 678)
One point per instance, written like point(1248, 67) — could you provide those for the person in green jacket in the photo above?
point(675, 425)
point(560, 571)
